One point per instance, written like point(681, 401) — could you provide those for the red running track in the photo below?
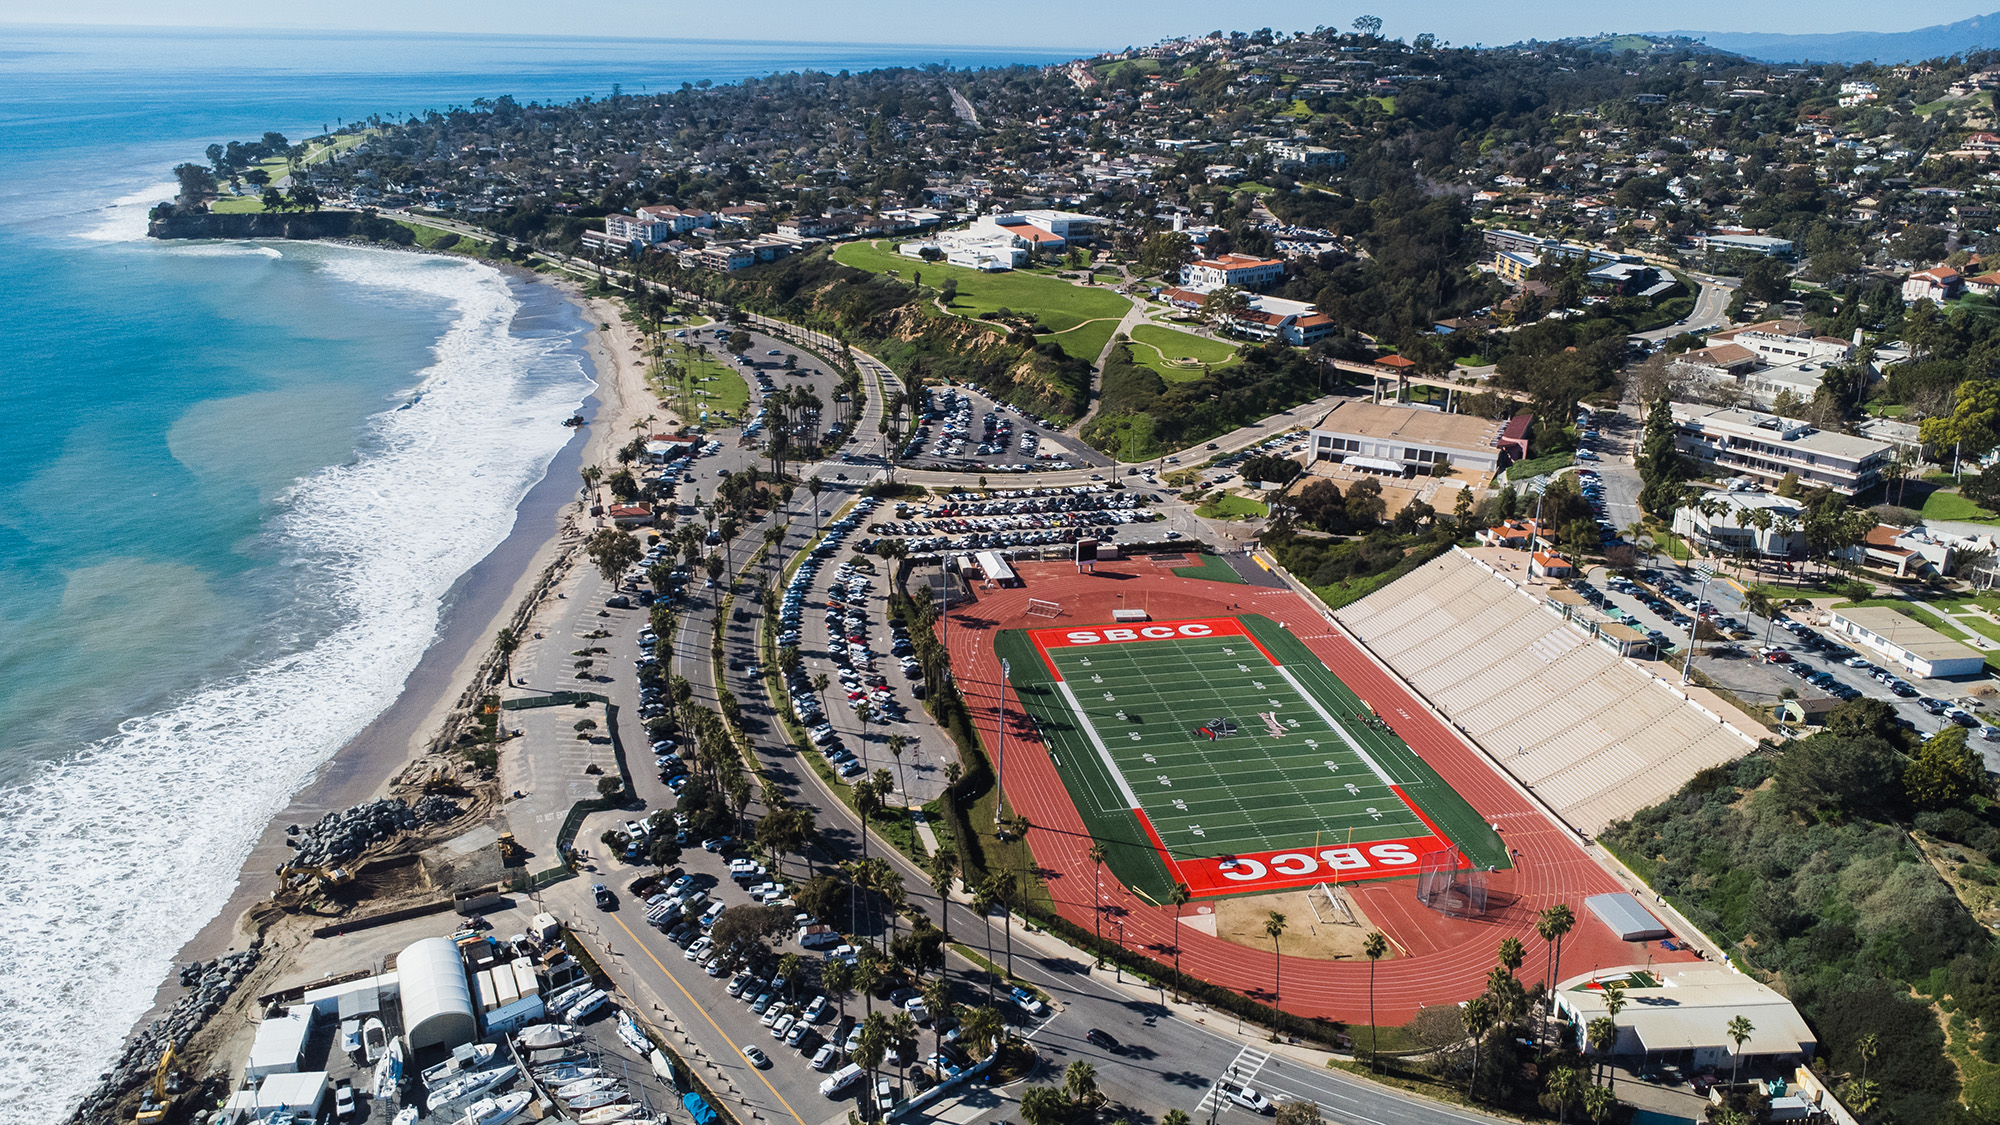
point(1438, 959)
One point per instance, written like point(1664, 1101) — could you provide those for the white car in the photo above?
point(827, 1056)
point(784, 1025)
point(700, 947)
point(757, 1057)
point(1245, 1096)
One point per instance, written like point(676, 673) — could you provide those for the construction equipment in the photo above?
point(511, 851)
point(158, 1099)
point(443, 779)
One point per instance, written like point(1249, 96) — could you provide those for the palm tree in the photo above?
point(867, 974)
point(1080, 1083)
point(1096, 883)
point(1551, 925)
point(815, 486)
point(897, 744)
point(1599, 1103)
point(982, 1029)
point(1614, 1003)
point(1044, 1105)
point(1566, 1087)
point(873, 1046)
point(903, 1038)
point(1274, 925)
point(1479, 1016)
point(1003, 890)
point(1740, 1029)
point(982, 901)
point(838, 978)
point(937, 997)
point(1374, 947)
point(1176, 1117)
point(1180, 897)
point(1866, 1047)
point(944, 868)
point(820, 683)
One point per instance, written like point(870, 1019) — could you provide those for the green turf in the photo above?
point(1154, 346)
point(1942, 505)
point(1211, 569)
point(1056, 303)
point(1242, 794)
point(1233, 508)
point(1086, 341)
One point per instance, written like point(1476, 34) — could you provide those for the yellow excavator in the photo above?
point(159, 1098)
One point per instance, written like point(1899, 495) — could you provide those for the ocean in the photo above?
point(237, 481)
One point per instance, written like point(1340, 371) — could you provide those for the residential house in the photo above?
point(1937, 284)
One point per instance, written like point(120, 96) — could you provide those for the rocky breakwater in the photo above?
point(338, 837)
point(209, 985)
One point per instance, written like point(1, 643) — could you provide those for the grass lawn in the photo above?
point(236, 205)
point(1887, 409)
point(1155, 345)
point(1056, 303)
point(1232, 508)
point(715, 384)
point(1941, 505)
point(1255, 188)
point(1086, 341)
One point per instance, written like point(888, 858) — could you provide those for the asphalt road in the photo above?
point(1709, 305)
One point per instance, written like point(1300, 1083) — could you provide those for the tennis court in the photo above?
point(1221, 754)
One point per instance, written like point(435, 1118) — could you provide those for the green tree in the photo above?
point(1374, 947)
point(1096, 885)
point(1551, 925)
point(1567, 1085)
point(1972, 428)
point(982, 1030)
point(1274, 925)
point(1044, 1105)
point(1661, 467)
point(1945, 772)
point(613, 551)
point(1080, 1083)
point(1740, 1029)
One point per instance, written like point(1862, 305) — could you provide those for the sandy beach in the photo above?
point(547, 522)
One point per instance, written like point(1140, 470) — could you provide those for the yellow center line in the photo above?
point(711, 1019)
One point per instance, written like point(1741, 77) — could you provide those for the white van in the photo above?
point(842, 1080)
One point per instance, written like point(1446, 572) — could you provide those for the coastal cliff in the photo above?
point(170, 222)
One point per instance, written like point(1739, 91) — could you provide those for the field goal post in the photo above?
point(1040, 608)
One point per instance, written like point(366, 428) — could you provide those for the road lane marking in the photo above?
point(699, 1007)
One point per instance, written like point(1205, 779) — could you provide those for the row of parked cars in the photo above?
point(791, 613)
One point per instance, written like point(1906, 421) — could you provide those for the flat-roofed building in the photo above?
point(1685, 1018)
point(1405, 439)
point(1240, 270)
point(1735, 528)
point(1768, 447)
point(1907, 641)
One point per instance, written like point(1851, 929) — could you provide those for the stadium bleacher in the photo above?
point(1590, 733)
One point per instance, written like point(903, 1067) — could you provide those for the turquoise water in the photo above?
point(236, 481)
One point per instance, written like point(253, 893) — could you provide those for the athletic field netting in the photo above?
point(1221, 754)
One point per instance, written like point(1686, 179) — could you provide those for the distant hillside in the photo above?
point(1858, 46)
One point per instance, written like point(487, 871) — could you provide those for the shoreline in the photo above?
point(478, 604)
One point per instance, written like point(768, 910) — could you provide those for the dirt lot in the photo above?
point(1241, 920)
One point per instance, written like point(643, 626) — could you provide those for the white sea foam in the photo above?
point(221, 250)
point(124, 218)
point(119, 855)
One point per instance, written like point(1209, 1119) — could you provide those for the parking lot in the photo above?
point(1029, 517)
point(964, 430)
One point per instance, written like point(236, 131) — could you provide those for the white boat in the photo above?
point(467, 1058)
point(541, 1037)
point(606, 1114)
point(583, 1086)
point(568, 996)
point(599, 1097)
point(389, 1072)
point(565, 1074)
point(497, 1111)
point(470, 1085)
point(374, 1039)
point(633, 1035)
point(406, 1115)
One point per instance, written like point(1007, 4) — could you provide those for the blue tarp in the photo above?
point(698, 1108)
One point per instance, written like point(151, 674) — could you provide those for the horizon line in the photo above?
point(375, 32)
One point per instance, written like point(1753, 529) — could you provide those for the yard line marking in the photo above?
point(1366, 759)
point(1090, 732)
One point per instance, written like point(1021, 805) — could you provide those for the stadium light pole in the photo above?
point(1707, 573)
point(1000, 779)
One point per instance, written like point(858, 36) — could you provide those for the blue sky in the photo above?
point(1048, 23)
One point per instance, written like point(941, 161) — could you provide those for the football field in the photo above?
point(1220, 754)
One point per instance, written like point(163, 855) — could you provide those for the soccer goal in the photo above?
point(1337, 909)
point(1040, 608)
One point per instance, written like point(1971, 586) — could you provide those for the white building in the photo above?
point(1401, 439)
point(1311, 156)
point(1937, 284)
point(1916, 646)
point(1768, 447)
point(1754, 243)
point(1685, 1020)
point(437, 998)
point(1735, 529)
point(1241, 271)
point(633, 229)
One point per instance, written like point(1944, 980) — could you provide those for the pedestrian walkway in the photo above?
point(922, 824)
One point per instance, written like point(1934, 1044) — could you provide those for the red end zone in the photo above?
point(1301, 867)
point(1088, 635)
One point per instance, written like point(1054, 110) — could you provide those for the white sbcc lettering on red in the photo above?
point(1294, 864)
point(1149, 633)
